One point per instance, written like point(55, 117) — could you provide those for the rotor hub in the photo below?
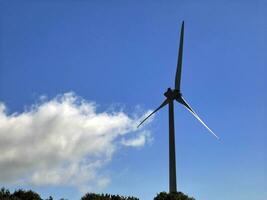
point(172, 94)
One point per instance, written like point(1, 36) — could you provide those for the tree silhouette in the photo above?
point(172, 196)
point(20, 194)
point(5, 194)
point(93, 196)
point(26, 195)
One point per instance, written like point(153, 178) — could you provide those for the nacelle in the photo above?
point(172, 94)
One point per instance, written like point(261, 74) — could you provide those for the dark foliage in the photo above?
point(26, 195)
point(92, 196)
point(6, 195)
point(30, 195)
point(172, 196)
point(18, 195)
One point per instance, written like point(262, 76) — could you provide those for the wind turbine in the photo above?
point(171, 96)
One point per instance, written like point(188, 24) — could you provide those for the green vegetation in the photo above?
point(31, 195)
point(19, 195)
point(92, 196)
point(172, 196)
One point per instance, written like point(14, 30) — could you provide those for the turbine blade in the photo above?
point(161, 106)
point(180, 59)
point(183, 101)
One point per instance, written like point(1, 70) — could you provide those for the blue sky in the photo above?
point(123, 54)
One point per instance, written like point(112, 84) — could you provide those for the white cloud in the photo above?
point(63, 141)
point(138, 141)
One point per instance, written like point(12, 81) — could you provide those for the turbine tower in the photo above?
point(171, 96)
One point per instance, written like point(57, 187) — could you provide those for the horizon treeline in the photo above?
point(21, 194)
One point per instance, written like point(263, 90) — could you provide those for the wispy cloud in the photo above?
point(63, 141)
point(138, 141)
